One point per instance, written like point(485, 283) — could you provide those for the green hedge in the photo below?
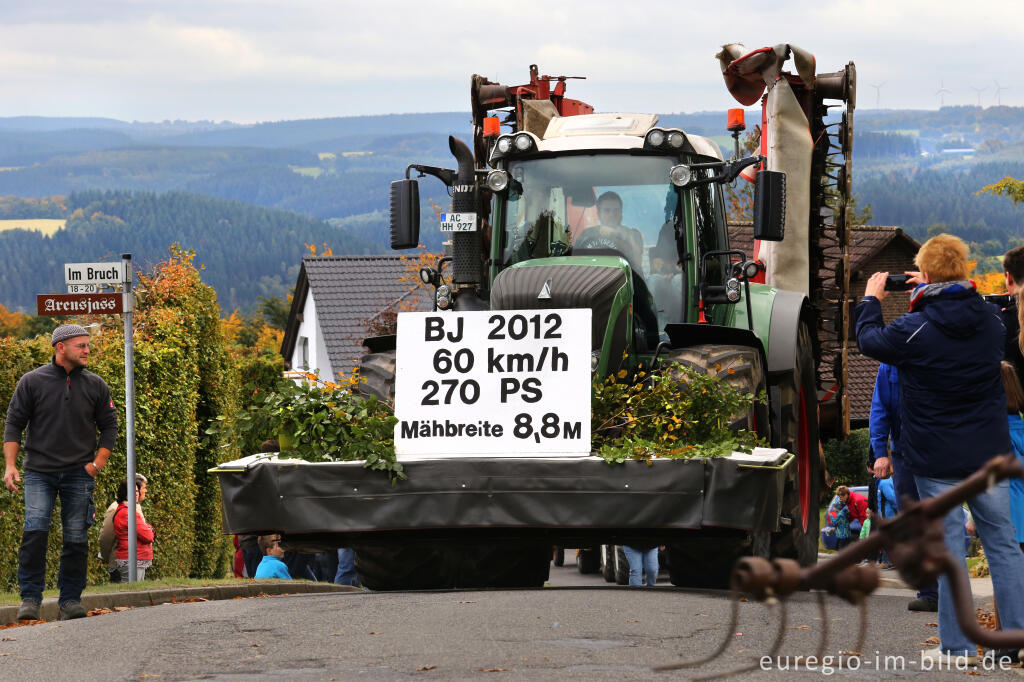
point(847, 460)
point(183, 376)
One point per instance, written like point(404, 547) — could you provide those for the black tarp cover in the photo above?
point(564, 493)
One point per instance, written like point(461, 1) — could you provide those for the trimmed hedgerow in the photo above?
point(183, 376)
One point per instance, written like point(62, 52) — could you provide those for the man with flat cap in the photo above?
point(62, 405)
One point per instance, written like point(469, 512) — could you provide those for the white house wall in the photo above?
point(309, 328)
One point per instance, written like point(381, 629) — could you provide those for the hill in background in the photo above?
point(328, 180)
point(246, 251)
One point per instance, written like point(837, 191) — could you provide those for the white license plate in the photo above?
point(458, 222)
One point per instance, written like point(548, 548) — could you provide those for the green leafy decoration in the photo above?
point(678, 413)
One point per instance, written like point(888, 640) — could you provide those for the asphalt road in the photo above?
point(572, 632)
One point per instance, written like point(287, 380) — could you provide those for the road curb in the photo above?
point(48, 610)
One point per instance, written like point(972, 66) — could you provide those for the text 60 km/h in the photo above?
point(493, 383)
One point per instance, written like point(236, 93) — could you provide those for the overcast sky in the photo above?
point(267, 60)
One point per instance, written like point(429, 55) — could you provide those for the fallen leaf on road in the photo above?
point(851, 653)
point(374, 633)
point(632, 621)
point(337, 634)
point(256, 645)
point(930, 640)
point(972, 672)
point(700, 614)
point(99, 612)
point(801, 627)
point(9, 639)
point(495, 670)
point(7, 654)
point(119, 609)
point(931, 625)
point(425, 668)
point(467, 602)
point(145, 675)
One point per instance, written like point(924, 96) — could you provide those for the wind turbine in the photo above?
point(979, 91)
point(999, 88)
point(878, 91)
point(942, 92)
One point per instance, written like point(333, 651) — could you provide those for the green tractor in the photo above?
point(569, 209)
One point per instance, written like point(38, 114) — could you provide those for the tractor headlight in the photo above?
point(732, 290)
point(675, 139)
point(504, 144)
point(656, 138)
point(523, 142)
point(444, 297)
point(497, 180)
point(680, 175)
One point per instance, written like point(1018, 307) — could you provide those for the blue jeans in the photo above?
point(643, 561)
point(991, 512)
point(346, 568)
point(903, 482)
point(77, 513)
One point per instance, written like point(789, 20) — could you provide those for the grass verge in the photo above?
point(7, 598)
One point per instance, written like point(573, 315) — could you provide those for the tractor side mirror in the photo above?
point(770, 206)
point(405, 214)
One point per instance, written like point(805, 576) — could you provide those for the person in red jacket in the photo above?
point(143, 533)
point(855, 502)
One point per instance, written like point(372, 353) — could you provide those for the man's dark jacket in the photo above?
point(948, 351)
point(62, 412)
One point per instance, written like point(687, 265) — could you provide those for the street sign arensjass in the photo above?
point(79, 304)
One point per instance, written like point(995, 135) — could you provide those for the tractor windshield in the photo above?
point(600, 203)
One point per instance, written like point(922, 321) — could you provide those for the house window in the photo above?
point(304, 343)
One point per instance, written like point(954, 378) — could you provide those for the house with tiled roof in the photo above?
point(337, 299)
point(873, 248)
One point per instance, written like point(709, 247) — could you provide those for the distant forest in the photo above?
point(247, 197)
point(246, 251)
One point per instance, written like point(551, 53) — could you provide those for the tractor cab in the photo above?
point(616, 190)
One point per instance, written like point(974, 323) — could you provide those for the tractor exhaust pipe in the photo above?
point(467, 247)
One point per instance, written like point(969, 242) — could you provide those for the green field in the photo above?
point(308, 171)
point(48, 226)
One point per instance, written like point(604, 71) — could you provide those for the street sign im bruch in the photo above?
point(93, 273)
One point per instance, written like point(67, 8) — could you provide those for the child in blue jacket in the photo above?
point(271, 565)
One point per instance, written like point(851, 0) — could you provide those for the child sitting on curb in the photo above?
point(271, 565)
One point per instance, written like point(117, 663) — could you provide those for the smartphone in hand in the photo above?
point(898, 283)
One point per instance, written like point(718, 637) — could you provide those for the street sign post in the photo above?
point(84, 280)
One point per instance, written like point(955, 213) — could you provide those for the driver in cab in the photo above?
point(610, 233)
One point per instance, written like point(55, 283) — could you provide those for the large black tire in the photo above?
point(708, 562)
point(621, 566)
point(740, 367)
point(503, 567)
point(704, 562)
point(588, 559)
point(797, 420)
point(608, 563)
point(427, 567)
point(378, 372)
point(411, 567)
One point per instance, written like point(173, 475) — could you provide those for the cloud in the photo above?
point(251, 60)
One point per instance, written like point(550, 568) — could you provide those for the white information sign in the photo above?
point(458, 222)
point(493, 383)
point(83, 289)
point(92, 273)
